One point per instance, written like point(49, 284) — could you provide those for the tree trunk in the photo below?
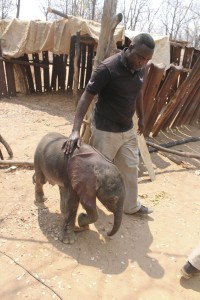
point(93, 8)
point(109, 22)
point(18, 9)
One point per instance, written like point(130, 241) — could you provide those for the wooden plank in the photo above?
point(76, 68)
point(144, 151)
point(71, 63)
point(83, 61)
point(64, 72)
point(163, 95)
point(192, 109)
point(21, 81)
point(182, 77)
point(29, 74)
point(196, 116)
point(146, 75)
point(54, 73)
point(46, 77)
point(61, 72)
point(10, 79)
point(38, 81)
point(154, 79)
point(3, 86)
point(90, 57)
point(187, 58)
point(58, 72)
point(195, 56)
point(186, 111)
point(175, 54)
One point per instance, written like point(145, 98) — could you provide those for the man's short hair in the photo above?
point(144, 38)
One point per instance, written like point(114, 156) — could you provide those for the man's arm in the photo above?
point(81, 110)
point(140, 112)
point(100, 77)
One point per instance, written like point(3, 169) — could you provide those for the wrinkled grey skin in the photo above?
point(81, 177)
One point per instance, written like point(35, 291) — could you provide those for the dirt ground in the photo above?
point(141, 262)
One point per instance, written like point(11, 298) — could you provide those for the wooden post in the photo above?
point(144, 151)
point(76, 69)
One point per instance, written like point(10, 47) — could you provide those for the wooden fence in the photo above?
point(171, 98)
point(42, 72)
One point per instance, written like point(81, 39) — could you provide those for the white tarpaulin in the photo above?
point(19, 37)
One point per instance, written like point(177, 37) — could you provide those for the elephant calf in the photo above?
point(81, 177)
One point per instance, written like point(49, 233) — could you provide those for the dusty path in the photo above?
point(140, 262)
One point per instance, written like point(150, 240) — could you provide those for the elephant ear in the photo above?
point(82, 177)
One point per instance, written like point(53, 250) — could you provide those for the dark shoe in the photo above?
point(188, 271)
point(144, 210)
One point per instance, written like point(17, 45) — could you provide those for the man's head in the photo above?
point(140, 51)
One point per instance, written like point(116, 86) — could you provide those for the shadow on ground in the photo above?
point(130, 246)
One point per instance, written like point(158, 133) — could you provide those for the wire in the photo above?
point(38, 279)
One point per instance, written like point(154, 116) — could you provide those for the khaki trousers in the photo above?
point(194, 258)
point(122, 149)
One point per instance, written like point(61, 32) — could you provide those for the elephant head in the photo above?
point(93, 175)
point(111, 193)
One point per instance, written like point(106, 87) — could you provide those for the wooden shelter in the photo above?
point(171, 96)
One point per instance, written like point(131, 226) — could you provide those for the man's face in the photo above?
point(138, 56)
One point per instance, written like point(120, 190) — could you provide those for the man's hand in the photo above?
point(74, 140)
point(140, 126)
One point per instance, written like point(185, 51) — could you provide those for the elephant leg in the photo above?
point(68, 205)
point(91, 214)
point(39, 180)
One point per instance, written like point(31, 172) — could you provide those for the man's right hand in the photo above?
point(74, 140)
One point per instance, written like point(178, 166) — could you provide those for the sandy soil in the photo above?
point(141, 262)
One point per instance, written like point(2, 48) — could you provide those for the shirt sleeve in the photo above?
point(99, 79)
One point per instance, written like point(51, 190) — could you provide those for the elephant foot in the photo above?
point(41, 205)
point(67, 237)
point(39, 197)
point(80, 229)
point(83, 220)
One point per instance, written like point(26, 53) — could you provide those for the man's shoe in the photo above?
point(144, 210)
point(188, 270)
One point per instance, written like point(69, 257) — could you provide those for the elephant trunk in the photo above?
point(117, 221)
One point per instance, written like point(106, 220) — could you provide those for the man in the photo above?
point(192, 267)
point(118, 82)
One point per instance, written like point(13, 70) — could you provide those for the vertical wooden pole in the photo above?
point(76, 69)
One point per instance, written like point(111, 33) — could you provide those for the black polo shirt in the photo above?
point(117, 89)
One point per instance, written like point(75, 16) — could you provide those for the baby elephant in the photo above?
point(81, 177)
